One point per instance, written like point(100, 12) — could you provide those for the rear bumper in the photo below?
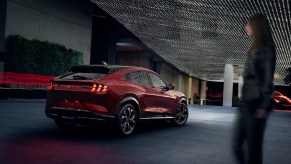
point(76, 115)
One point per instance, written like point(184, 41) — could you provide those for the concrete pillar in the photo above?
point(203, 92)
point(180, 78)
point(240, 85)
point(195, 86)
point(228, 85)
point(189, 93)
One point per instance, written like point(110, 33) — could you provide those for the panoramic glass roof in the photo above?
point(200, 36)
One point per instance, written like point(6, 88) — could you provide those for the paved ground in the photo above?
point(27, 136)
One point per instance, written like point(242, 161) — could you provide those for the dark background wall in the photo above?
point(3, 5)
point(67, 22)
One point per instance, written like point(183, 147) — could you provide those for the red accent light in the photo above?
point(24, 79)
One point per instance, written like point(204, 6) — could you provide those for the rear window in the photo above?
point(81, 76)
point(85, 73)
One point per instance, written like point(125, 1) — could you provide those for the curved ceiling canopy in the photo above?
point(200, 36)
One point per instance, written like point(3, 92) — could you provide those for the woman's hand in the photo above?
point(260, 113)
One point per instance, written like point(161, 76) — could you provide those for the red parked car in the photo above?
point(122, 94)
point(281, 102)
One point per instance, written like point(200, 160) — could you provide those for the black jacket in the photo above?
point(258, 78)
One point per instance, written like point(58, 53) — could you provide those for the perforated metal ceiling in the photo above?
point(200, 36)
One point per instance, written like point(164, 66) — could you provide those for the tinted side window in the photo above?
point(138, 77)
point(283, 100)
point(157, 81)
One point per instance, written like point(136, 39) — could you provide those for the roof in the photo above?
point(99, 68)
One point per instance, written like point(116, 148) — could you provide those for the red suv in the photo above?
point(281, 102)
point(109, 92)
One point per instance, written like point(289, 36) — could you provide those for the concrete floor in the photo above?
point(27, 136)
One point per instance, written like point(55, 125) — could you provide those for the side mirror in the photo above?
point(171, 86)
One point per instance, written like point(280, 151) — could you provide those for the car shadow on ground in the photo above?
point(92, 133)
point(102, 131)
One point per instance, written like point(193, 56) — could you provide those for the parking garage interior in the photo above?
point(190, 44)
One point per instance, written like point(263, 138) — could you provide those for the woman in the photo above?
point(257, 91)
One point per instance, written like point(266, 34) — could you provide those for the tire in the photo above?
point(127, 120)
point(64, 124)
point(181, 115)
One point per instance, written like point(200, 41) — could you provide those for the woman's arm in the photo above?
point(268, 65)
point(268, 68)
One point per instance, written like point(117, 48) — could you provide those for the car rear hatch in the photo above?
point(77, 88)
point(80, 79)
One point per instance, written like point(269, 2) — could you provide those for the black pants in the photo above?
point(249, 129)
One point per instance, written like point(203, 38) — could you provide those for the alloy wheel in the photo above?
point(181, 114)
point(128, 120)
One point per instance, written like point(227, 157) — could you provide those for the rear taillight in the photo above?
point(50, 86)
point(99, 88)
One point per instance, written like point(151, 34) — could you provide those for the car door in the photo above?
point(162, 100)
point(141, 79)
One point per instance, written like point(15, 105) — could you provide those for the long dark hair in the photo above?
point(262, 37)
